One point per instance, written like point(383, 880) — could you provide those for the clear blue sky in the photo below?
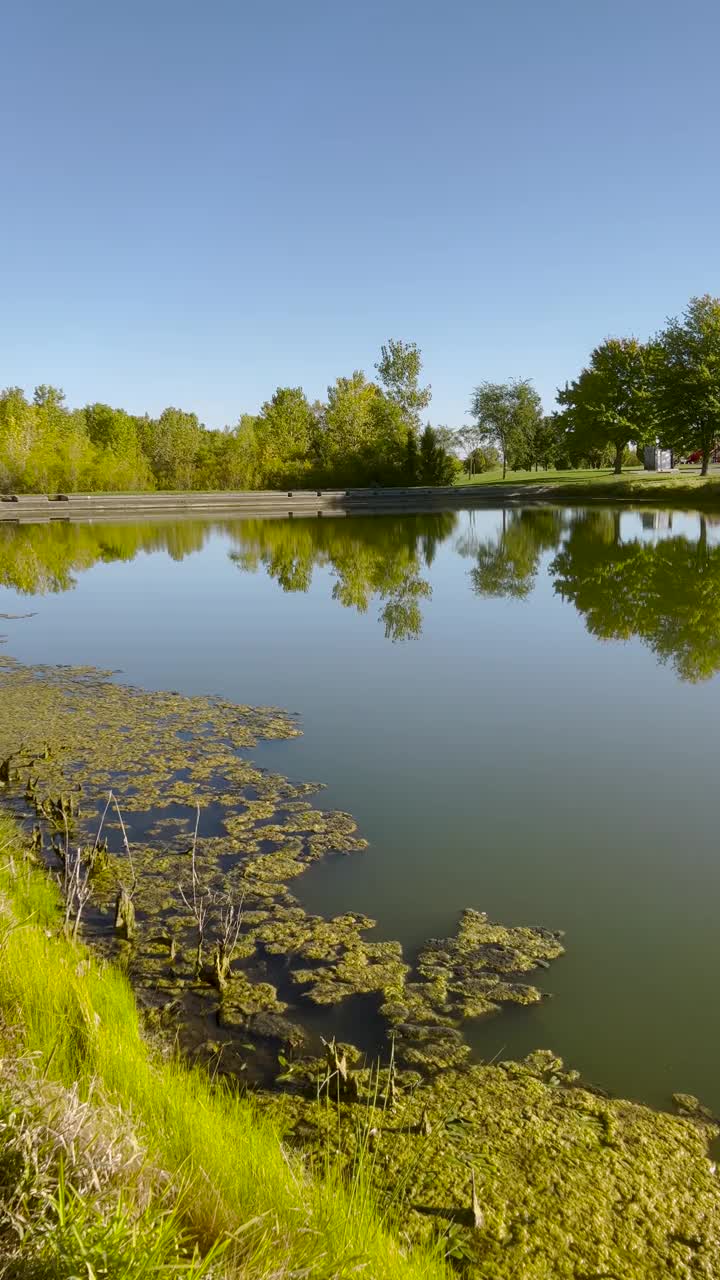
point(204, 199)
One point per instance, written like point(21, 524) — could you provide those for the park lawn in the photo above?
point(581, 476)
point(634, 483)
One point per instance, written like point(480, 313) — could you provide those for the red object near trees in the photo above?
point(697, 455)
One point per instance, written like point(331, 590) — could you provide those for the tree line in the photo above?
point(370, 431)
point(367, 432)
point(665, 392)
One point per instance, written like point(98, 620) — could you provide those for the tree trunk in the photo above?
point(504, 466)
point(705, 460)
point(619, 449)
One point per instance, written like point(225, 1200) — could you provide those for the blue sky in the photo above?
point(203, 200)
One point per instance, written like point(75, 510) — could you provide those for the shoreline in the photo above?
point(478, 1150)
point(399, 1174)
point(630, 488)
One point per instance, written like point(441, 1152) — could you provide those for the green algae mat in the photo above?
point(184, 877)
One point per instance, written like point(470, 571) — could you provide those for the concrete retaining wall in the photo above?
point(312, 502)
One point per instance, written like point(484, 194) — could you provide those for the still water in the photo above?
point(520, 709)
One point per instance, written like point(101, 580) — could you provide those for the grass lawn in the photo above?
point(634, 482)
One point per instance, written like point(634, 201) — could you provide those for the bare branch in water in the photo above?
point(199, 903)
point(230, 920)
point(74, 881)
point(126, 843)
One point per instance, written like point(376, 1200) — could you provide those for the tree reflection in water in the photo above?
point(369, 557)
point(664, 590)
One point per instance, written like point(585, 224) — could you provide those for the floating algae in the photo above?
point(520, 1170)
point(526, 1174)
point(70, 735)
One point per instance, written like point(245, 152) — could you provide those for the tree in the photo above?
point(412, 459)
point(611, 401)
point(686, 376)
point(506, 415)
point(286, 436)
point(482, 459)
point(437, 466)
point(399, 367)
point(349, 429)
point(120, 462)
point(17, 437)
point(61, 456)
point(448, 437)
point(476, 454)
point(548, 444)
point(171, 443)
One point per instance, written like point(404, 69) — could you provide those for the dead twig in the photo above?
point(74, 881)
point(199, 902)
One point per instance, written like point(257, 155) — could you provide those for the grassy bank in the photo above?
point(116, 1160)
point(633, 485)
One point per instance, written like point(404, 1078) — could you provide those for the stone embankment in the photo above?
point(303, 502)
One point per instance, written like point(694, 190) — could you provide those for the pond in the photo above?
point(519, 707)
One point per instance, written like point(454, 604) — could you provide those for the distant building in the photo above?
point(657, 459)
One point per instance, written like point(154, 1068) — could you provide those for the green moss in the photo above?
point(243, 998)
point(568, 1184)
point(162, 754)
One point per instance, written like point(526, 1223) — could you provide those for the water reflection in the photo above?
point(667, 593)
point(664, 592)
point(628, 576)
point(507, 565)
point(39, 559)
point(368, 557)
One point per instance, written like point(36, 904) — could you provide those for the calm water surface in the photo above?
point(521, 709)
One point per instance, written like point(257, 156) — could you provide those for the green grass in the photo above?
point(582, 476)
point(68, 1021)
point(633, 483)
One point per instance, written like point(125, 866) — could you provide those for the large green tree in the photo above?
point(611, 402)
point(17, 438)
point(687, 379)
point(507, 415)
point(120, 462)
point(399, 369)
point(436, 466)
point(171, 443)
point(349, 429)
point(286, 438)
